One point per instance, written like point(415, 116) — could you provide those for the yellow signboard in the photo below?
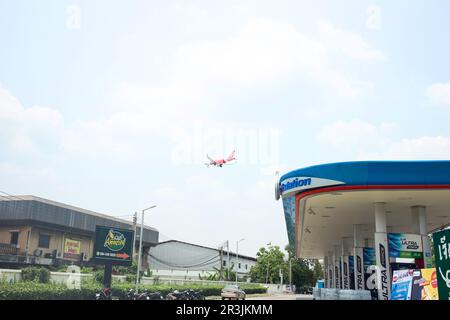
point(424, 286)
point(72, 249)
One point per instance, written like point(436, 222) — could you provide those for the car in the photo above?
point(232, 291)
point(305, 290)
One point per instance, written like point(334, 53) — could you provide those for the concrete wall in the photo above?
point(13, 275)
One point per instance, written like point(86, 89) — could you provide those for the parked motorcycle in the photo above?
point(177, 295)
point(144, 295)
point(189, 294)
point(105, 294)
point(132, 295)
point(194, 295)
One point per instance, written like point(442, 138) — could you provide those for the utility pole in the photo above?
point(290, 273)
point(281, 279)
point(228, 260)
point(135, 231)
point(140, 248)
point(237, 258)
point(268, 265)
point(221, 261)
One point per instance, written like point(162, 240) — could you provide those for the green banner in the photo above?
point(113, 245)
point(441, 241)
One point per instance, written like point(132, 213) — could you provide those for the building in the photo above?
point(364, 217)
point(44, 232)
point(182, 260)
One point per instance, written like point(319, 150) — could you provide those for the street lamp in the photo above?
point(237, 258)
point(268, 265)
point(140, 247)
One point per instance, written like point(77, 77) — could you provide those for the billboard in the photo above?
point(424, 285)
point(72, 249)
point(401, 284)
point(441, 242)
point(113, 245)
point(404, 245)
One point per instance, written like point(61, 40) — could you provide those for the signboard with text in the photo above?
point(113, 245)
point(404, 245)
point(441, 242)
point(424, 285)
point(402, 284)
point(72, 249)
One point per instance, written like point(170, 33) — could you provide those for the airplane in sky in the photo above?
point(221, 162)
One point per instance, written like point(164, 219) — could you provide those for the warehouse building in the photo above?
point(182, 260)
point(37, 231)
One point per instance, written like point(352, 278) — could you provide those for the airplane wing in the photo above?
point(232, 156)
point(210, 159)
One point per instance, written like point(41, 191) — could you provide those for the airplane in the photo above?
point(220, 162)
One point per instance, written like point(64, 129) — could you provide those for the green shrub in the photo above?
point(98, 276)
point(44, 275)
point(41, 275)
point(52, 291)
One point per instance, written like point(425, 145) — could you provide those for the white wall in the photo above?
point(184, 260)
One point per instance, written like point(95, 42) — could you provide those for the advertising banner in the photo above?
point(351, 272)
point(72, 249)
point(359, 269)
point(441, 242)
point(330, 276)
point(345, 273)
point(369, 259)
point(424, 285)
point(337, 281)
point(113, 245)
point(404, 245)
point(289, 217)
point(401, 284)
point(383, 267)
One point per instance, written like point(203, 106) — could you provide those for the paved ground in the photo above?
point(273, 296)
point(279, 296)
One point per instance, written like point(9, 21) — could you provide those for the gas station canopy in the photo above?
point(323, 203)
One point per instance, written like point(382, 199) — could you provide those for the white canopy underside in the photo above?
point(333, 215)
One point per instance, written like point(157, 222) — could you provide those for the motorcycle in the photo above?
point(155, 296)
point(194, 295)
point(132, 295)
point(105, 294)
point(144, 295)
point(177, 295)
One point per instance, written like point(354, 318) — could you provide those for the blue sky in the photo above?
point(112, 106)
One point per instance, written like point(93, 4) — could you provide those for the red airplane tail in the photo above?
point(231, 156)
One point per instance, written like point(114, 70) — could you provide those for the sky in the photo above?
point(112, 106)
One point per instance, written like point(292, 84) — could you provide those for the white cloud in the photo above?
point(439, 93)
point(422, 148)
point(349, 43)
point(366, 141)
point(354, 134)
point(27, 130)
point(265, 51)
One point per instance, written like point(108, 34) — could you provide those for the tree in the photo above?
point(302, 269)
point(268, 264)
